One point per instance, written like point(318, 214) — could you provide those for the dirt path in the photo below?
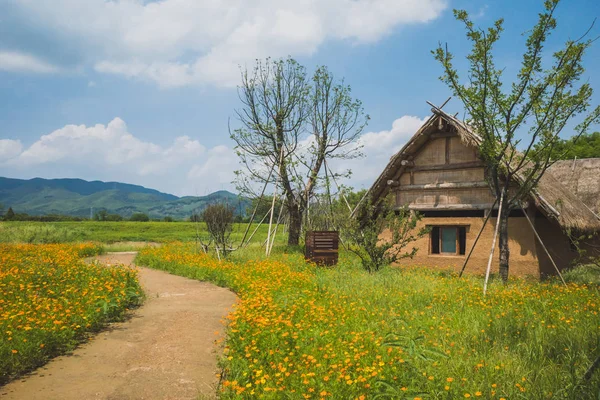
point(165, 351)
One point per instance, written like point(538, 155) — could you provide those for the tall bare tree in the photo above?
point(293, 123)
point(520, 126)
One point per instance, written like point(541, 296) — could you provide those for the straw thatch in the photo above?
point(550, 196)
point(581, 177)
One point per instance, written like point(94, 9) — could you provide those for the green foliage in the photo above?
point(139, 217)
point(168, 219)
point(584, 146)
point(520, 126)
point(585, 274)
point(379, 234)
point(10, 214)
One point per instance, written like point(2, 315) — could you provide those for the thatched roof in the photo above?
point(550, 196)
point(581, 177)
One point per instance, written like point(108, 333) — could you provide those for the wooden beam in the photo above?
point(447, 155)
point(445, 185)
point(427, 207)
point(441, 135)
point(464, 165)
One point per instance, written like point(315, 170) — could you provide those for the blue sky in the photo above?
point(141, 92)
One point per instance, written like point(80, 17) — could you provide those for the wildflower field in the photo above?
point(50, 298)
point(300, 331)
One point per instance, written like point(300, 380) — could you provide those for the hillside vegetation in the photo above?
point(76, 197)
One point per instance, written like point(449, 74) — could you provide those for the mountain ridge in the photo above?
point(75, 197)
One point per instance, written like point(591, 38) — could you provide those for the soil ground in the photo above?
point(165, 350)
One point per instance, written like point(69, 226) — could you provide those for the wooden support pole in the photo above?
point(276, 226)
point(273, 203)
point(257, 205)
point(256, 229)
point(489, 266)
point(477, 239)
point(544, 246)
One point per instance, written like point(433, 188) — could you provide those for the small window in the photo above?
point(448, 240)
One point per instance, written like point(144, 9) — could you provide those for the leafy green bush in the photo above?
point(584, 274)
point(139, 217)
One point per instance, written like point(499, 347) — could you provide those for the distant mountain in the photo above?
point(76, 196)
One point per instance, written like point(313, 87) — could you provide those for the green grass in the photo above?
point(305, 332)
point(110, 232)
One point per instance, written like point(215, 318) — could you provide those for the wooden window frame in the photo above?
point(440, 235)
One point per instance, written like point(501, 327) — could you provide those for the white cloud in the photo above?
point(21, 62)
point(378, 147)
point(111, 153)
point(9, 149)
point(182, 42)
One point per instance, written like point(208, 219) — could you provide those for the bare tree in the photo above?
point(294, 124)
point(520, 127)
point(219, 222)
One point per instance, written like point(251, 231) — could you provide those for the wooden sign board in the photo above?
point(322, 247)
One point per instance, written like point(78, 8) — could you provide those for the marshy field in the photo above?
point(302, 331)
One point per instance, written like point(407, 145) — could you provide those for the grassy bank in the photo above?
point(300, 331)
point(50, 299)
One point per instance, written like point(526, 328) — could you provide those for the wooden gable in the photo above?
point(443, 174)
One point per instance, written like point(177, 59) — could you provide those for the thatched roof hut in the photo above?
point(552, 197)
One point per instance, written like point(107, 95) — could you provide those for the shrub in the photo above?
point(363, 234)
point(139, 217)
point(219, 222)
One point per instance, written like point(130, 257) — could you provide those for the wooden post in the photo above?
point(273, 204)
point(257, 205)
point(487, 272)
point(543, 246)
point(256, 229)
point(275, 230)
point(477, 239)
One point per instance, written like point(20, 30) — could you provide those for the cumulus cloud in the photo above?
point(111, 152)
point(13, 61)
point(377, 148)
point(182, 42)
point(9, 149)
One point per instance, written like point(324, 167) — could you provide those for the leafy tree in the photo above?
point(380, 235)
point(114, 217)
point(519, 127)
point(10, 214)
point(295, 123)
point(584, 146)
point(101, 215)
point(219, 223)
point(168, 219)
point(139, 217)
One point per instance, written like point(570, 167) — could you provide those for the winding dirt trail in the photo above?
point(166, 350)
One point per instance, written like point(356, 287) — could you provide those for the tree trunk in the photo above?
point(295, 225)
point(503, 240)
